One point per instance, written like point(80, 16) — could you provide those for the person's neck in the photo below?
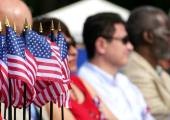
point(103, 64)
point(147, 53)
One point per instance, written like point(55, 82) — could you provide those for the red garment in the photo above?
point(0, 117)
point(88, 109)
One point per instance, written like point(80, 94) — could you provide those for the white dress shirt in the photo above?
point(122, 98)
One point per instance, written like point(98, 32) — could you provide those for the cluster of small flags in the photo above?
point(32, 62)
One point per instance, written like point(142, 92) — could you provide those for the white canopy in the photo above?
point(75, 14)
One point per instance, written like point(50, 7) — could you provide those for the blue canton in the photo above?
point(3, 49)
point(62, 44)
point(37, 44)
point(13, 46)
point(21, 42)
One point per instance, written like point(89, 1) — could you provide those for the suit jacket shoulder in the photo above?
point(154, 88)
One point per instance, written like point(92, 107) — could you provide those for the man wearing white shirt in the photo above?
point(108, 49)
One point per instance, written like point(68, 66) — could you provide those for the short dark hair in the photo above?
point(101, 24)
point(143, 19)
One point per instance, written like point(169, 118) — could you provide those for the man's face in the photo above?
point(161, 36)
point(118, 50)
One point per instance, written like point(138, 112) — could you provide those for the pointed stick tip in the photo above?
point(41, 28)
point(59, 26)
point(14, 26)
point(6, 21)
point(26, 26)
point(52, 25)
point(0, 26)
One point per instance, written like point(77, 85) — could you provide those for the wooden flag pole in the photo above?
point(14, 113)
point(25, 87)
point(41, 32)
point(29, 108)
point(51, 110)
point(14, 26)
point(9, 89)
point(62, 112)
point(52, 40)
point(4, 113)
point(62, 107)
point(24, 108)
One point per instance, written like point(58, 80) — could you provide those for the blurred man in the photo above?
point(108, 49)
point(148, 29)
point(16, 11)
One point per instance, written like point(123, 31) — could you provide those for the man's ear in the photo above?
point(148, 37)
point(100, 45)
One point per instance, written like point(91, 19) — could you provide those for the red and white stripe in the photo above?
point(65, 78)
point(22, 72)
point(51, 89)
point(4, 83)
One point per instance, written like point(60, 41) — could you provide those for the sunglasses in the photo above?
point(124, 40)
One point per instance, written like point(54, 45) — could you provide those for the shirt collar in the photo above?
point(111, 79)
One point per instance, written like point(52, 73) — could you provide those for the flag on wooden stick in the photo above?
point(19, 69)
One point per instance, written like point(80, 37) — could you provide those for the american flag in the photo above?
point(49, 74)
point(31, 66)
point(63, 48)
point(64, 97)
point(48, 67)
point(4, 84)
point(19, 69)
